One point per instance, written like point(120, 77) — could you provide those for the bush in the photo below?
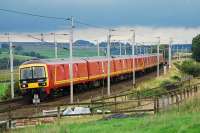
point(5, 46)
point(17, 91)
point(176, 78)
point(168, 85)
point(33, 54)
point(196, 48)
point(190, 67)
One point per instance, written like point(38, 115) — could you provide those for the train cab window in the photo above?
point(26, 73)
point(38, 72)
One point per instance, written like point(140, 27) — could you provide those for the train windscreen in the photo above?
point(36, 72)
point(26, 73)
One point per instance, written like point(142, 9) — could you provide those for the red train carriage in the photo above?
point(48, 75)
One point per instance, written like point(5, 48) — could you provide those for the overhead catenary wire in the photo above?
point(31, 14)
point(51, 17)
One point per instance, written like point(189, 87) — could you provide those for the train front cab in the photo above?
point(33, 79)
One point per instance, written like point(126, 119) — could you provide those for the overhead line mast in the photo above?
point(71, 61)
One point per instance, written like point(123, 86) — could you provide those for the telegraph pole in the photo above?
point(170, 53)
point(158, 56)
point(108, 58)
point(133, 54)
point(11, 67)
point(71, 61)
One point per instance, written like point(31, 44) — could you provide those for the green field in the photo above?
point(48, 52)
point(62, 53)
point(19, 57)
point(5, 74)
point(186, 120)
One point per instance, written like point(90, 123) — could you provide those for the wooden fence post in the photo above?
point(91, 99)
point(58, 113)
point(177, 101)
point(184, 91)
point(103, 109)
point(138, 97)
point(158, 104)
point(163, 102)
point(172, 99)
point(10, 117)
point(115, 104)
point(191, 89)
point(181, 95)
point(155, 105)
point(188, 94)
point(168, 96)
point(197, 88)
point(78, 100)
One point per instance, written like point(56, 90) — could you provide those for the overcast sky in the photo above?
point(169, 15)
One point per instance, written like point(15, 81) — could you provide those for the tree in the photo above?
point(5, 46)
point(19, 48)
point(196, 48)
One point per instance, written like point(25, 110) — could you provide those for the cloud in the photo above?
point(143, 34)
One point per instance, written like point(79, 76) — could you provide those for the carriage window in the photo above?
point(26, 73)
point(38, 72)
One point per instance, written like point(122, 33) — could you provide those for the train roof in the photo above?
point(79, 60)
point(54, 61)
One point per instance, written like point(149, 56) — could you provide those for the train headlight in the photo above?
point(24, 86)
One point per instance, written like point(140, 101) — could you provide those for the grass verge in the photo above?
point(184, 121)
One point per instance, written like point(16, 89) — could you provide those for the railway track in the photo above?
point(13, 103)
point(120, 87)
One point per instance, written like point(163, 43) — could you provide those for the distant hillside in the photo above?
point(82, 43)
